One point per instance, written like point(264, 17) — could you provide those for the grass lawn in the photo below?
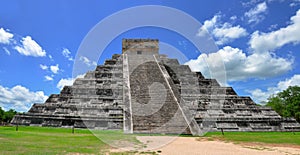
point(263, 137)
point(41, 140)
point(44, 140)
point(47, 140)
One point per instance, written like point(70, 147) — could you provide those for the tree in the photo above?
point(1, 115)
point(9, 115)
point(287, 102)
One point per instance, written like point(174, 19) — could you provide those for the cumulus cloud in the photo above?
point(30, 48)
point(269, 41)
point(227, 33)
point(210, 24)
point(5, 37)
point(239, 66)
point(43, 67)
point(256, 14)
point(54, 69)
point(64, 82)
point(222, 32)
point(67, 82)
point(20, 98)
point(67, 54)
point(260, 95)
point(48, 78)
point(87, 61)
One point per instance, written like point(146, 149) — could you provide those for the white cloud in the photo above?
point(227, 32)
point(233, 17)
point(87, 61)
point(6, 50)
point(48, 78)
point(255, 15)
point(5, 36)
point(269, 41)
point(273, 27)
point(293, 81)
point(208, 25)
point(66, 53)
point(295, 3)
point(67, 81)
point(222, 32)
point(50, 57)
point(64, 82)
point(239, 66)
point(250, 3)
point(30, 48)
point(261, 63)
point(259, 95)
point(54, 69)
point(43, 67)
point(19, 98)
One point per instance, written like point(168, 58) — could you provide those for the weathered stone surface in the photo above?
point(142, 91)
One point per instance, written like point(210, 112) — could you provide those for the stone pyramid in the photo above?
point(142, 91)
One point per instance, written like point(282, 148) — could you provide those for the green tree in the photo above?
point(9, 115)
point(287, 102)
point(1, 115)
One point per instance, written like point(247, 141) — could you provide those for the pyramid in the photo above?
point(142, 91)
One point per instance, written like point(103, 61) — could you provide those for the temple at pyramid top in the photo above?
point(140, 46)
point(141, 91)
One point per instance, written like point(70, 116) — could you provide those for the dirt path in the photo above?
point(191, 146)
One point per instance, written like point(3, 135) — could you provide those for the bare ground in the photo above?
point(190, 145)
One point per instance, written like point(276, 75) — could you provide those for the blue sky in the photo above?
point(258, 41)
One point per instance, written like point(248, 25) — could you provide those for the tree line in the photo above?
point(6, 116)
point(287, 102)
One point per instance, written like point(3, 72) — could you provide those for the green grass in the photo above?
point(262, 137)
point(44, 140)
point(41, 140)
